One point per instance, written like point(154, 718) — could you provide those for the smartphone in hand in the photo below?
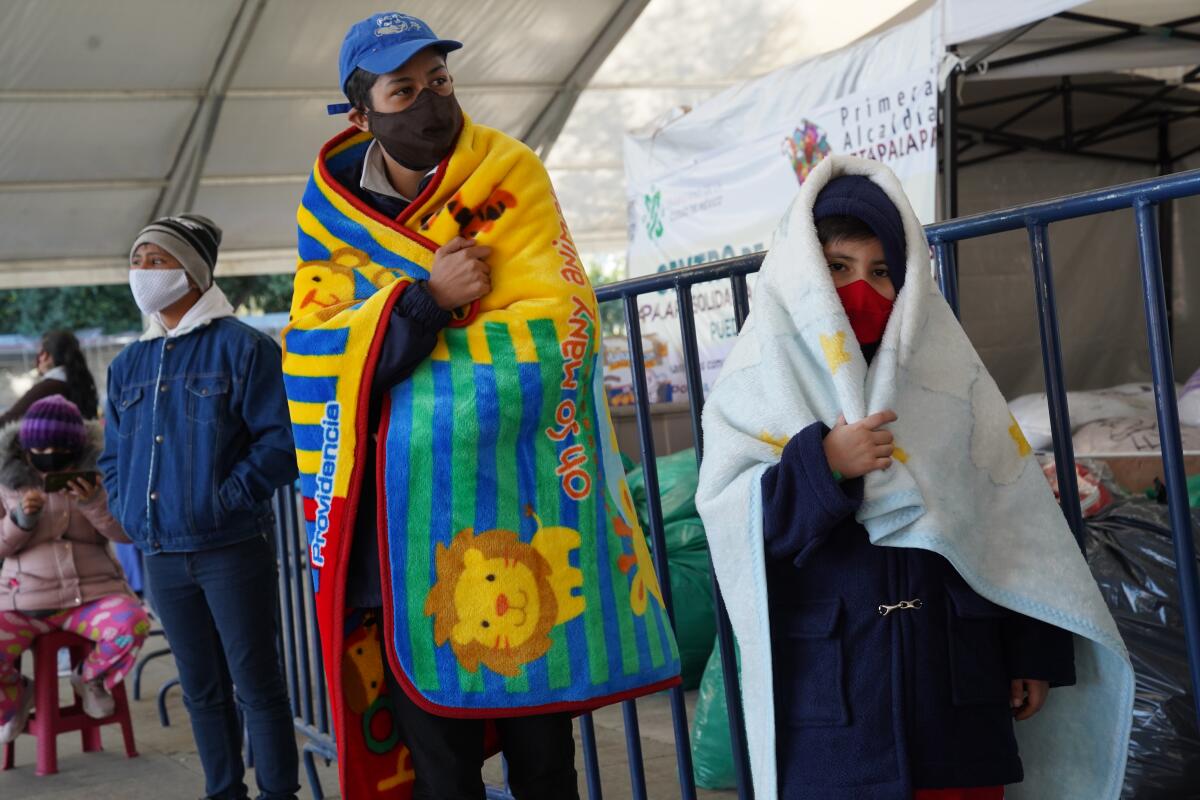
point(57, 481)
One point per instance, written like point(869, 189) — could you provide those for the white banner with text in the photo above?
point(713, 183)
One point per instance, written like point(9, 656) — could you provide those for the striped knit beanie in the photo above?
point(193, 241)
point(53, 422)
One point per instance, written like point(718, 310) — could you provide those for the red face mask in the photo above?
point(867, 309)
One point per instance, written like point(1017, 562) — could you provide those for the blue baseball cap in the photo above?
point(383, 43)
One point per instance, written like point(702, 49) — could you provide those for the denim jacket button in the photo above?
point(154, 495)
point(159, 438)
point(162, 388)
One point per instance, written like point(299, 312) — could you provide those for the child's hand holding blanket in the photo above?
point(854, 450)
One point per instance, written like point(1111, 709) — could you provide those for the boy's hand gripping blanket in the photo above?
point(516, 578)
point(963, 484)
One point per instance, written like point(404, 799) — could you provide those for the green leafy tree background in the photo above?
point(612, 314)
point(32, 312)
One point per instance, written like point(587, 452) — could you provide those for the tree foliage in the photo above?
point(260, 294)
point(612, 314)
point(32, 312)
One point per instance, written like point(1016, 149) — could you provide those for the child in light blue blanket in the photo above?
point(893, 678)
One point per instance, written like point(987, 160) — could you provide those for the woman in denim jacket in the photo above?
point(197, 441)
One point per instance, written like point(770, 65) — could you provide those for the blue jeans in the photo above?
point(219, 609)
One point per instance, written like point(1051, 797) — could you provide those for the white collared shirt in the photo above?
point(374, 174)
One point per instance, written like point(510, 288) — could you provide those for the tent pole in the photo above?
point(1000, 44)
point(1091, 133)
point(991, 136)
point(1166, 220)
point(183, 181)
point(949, 104)
point(1128, 30)
point(948, 253)
point(1068, 114)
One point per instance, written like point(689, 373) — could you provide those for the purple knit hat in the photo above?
point(53, 422)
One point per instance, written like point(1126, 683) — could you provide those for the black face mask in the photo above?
point(420, 136)
point(51, 462)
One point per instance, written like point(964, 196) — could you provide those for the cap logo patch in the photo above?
point(396, 23)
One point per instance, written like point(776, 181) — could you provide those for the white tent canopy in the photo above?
point(105, 109)
point(111, 113)
point(1107, 35)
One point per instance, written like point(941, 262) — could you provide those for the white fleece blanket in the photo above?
point(964, 485)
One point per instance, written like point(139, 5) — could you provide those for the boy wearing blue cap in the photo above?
point(394, 73)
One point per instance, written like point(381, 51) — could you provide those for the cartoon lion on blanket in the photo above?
point(497, 598)
point(331, 284)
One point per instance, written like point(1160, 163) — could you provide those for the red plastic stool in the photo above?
point(49, 720)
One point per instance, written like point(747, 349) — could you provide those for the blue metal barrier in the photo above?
point(300, 638)
point(300, 643)
point(1142, 197)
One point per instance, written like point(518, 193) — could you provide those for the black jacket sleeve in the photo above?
point(802, 502)
point(1035, 650)
point(412, 331)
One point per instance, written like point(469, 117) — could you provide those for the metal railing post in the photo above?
point(658, 541)
point(741, 300)
point(725, 639)
point(1158, 333)
point(300, 573)
point(591, 764)
point(633, 750)
point(946, 259)
point(288, 629)
point(1056, 387)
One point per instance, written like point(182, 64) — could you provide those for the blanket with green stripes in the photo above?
point(516, 578)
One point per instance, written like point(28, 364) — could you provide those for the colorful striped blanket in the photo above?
point(517, 580)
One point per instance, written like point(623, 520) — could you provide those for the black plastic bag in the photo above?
point(1130, 552)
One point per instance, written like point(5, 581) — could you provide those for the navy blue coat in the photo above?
point(411, 335)
point(868, 706)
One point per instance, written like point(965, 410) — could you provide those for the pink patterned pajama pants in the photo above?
point(117, 624)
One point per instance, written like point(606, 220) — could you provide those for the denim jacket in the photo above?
point(197, 437)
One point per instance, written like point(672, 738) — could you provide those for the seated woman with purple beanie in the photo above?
point(59, 572)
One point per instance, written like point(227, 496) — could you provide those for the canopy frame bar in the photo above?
point(543, 132)
point(1128, 30)
point(183, 180)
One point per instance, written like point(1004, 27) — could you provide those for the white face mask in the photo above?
point(155, 289)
